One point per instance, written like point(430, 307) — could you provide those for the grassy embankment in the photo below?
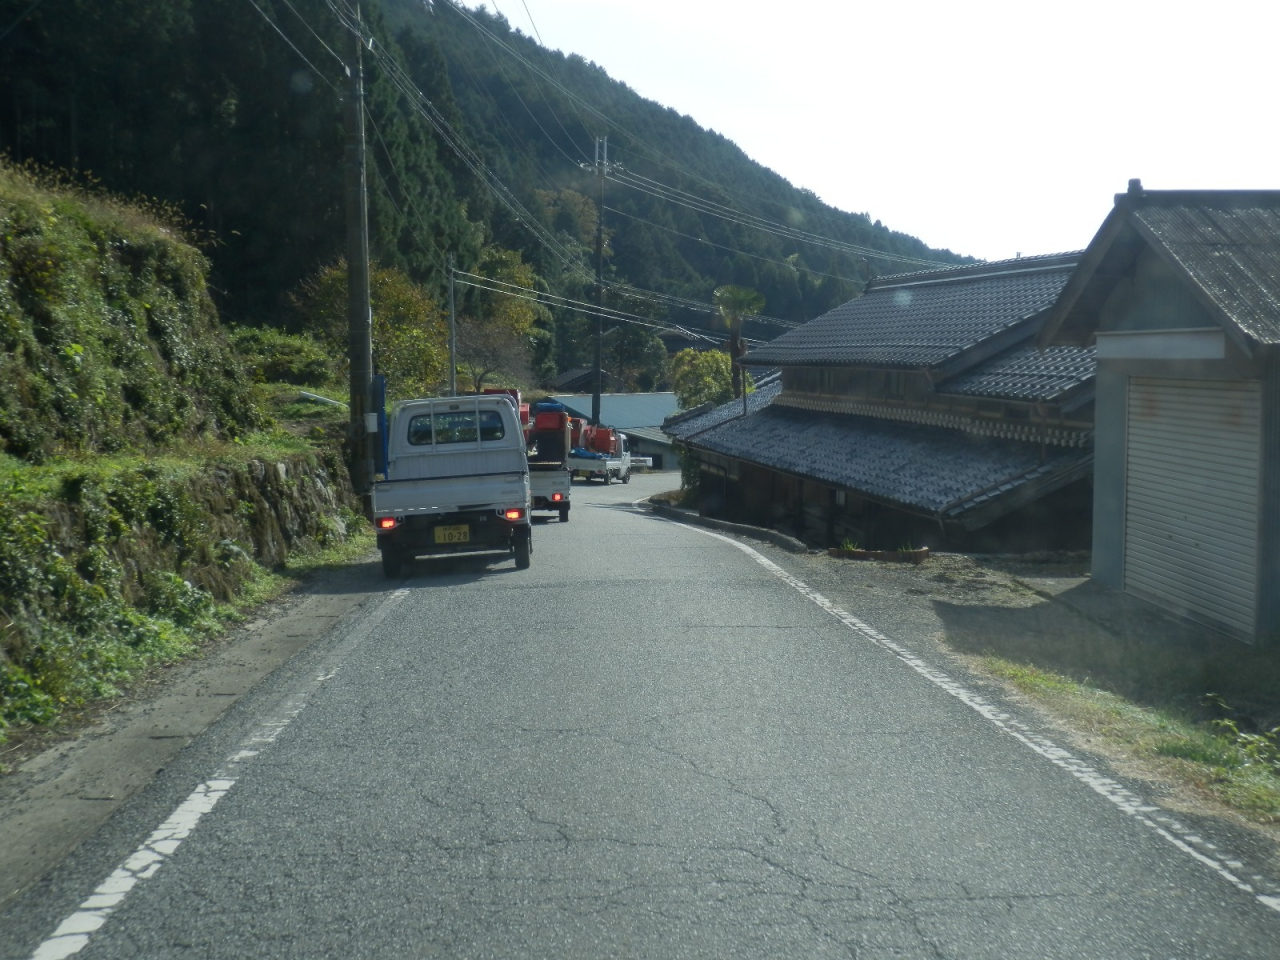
point(146, 494)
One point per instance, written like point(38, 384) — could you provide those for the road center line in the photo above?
point(72, 935)
point(1146, 813)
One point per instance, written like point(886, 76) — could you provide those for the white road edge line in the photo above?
point(1146, 813)
point(72, 935)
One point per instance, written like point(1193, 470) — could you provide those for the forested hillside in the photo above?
point(231, 109)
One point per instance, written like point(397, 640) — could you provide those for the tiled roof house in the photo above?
point(922, 410)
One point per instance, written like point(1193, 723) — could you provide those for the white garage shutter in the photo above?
point(1191, 498)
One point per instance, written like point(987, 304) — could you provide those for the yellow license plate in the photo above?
point(460, 533)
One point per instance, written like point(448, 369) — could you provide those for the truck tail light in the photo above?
point(557, 497)
point(386, 523)
point(514, 514)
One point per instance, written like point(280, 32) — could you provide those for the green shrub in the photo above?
point(110, 339)
point(273, 356)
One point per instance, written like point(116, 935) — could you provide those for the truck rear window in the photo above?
point(455, 426)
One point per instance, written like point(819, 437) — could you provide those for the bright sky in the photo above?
point(990, 127)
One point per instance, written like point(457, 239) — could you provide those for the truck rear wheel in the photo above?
point(564, 514)
point(392, 563)
point(523, 549)
point(626, 477)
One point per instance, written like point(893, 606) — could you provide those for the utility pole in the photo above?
point(359, 320)
point(453, 337)
point(601, 169)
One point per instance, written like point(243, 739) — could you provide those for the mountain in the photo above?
point(477, 136)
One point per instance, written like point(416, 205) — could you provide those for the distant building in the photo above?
point(920, 412)
point(582, 379)
point(638, 415)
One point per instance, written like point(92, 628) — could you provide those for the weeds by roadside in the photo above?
point(33, 716)
point(1238, 768)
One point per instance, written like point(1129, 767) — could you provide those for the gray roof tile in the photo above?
point(1228, 242)
point(932, 470)
point(684, 427)
point(1026, 374)
point(924, 319)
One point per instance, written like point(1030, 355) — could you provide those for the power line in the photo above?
point(663, 159)
point(26, 13)
point(577, 306)
point(721, 246)
point(661, 191)
point(550, 108)
point(289, 4)
point(285, 36)
point(457, 143)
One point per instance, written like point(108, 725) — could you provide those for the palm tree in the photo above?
point(734, 303)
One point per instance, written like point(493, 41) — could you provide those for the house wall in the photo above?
point(1111, 390)
point(1154, 297)
point(1269, 526)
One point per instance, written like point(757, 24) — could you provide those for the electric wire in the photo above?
point(721, 246)
point(640, 143)
point(477, 166)
point(428, 111)
point(608, 313)
point(517, 143)
point(26, 13)
point(538, 123)
point(305, 23)
point(573, 106)
point(579, 306)
point(545, 99)
point(767, 226)
point(286, 39)
point(728, 213)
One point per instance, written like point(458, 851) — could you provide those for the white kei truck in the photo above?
point(591, 465)
point(457, 481)
point(550, 485)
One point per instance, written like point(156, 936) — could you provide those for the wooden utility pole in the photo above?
point(601, 169)
point(453, 337)
point(359, 320)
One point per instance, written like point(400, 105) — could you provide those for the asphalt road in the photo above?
point(655, 742)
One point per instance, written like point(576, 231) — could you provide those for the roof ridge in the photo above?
point(967, 271)
point(1143, 196)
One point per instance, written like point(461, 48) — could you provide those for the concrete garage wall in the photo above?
point(1110, 423)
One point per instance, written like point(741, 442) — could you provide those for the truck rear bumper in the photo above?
point(444, 533)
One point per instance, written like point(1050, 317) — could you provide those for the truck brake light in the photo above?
point(557, 496)
point(514, 514)
point(386, 523)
